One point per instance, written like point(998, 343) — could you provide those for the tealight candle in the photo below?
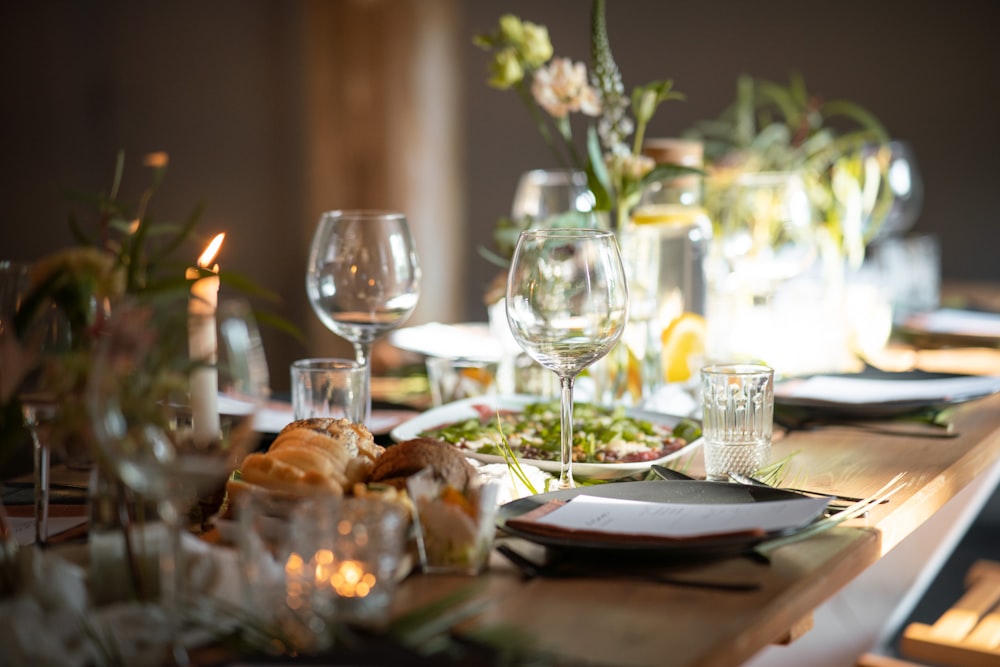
point(203, 345)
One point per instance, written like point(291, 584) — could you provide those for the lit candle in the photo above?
point(203, 345)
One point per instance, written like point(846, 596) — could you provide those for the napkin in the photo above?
point(54, 619)
point(957, 322)
point(860, 391)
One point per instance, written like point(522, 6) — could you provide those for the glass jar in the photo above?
point(673, 207)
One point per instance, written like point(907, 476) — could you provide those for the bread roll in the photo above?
point(271, 473)
point(410, 457)
point(355, 438)
point(312, 456)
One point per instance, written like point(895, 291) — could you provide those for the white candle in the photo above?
point(203, 346)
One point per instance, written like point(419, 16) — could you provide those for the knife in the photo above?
point(669, 474)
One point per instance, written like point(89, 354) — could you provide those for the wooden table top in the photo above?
point(609, 621)
point(617, 621)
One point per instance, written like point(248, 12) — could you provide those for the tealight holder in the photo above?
point(344, 557)
point(454, 527)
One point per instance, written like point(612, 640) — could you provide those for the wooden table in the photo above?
point(620, 622)
point(615, 621)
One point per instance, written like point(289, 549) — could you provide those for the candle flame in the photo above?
point(211, 250)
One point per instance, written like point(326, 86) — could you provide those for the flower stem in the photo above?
point(566, 131)
point(543, 129)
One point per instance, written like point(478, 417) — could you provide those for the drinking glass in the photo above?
point(24, 353)
point(363, 278)
point(901, 177)
point(737, 418)
point(48, 337)
point(567, 304)
point(545, 194)
point(172, 397)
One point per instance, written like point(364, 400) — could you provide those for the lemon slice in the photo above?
point(682, 340)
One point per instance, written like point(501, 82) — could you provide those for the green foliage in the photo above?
point(775, 127)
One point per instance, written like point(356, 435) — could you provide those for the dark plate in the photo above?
point(685, 492)
point(883, 409)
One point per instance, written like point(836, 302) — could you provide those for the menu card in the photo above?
point(634, 520)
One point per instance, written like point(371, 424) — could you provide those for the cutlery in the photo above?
point(673, 475)
point(668, 474)
point(530, 570)
point(753, 481)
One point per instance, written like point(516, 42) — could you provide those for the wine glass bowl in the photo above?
point(567, 304)
point(902, 179)
point(362, 278)
point(149, 395)
point(172, 397)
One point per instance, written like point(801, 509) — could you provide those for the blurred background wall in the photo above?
point(275, 111)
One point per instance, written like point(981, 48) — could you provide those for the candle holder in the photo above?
point(455, 527)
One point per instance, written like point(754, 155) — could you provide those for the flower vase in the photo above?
point(632, 371)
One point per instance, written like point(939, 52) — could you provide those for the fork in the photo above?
point(753, 481)
point(854, 511)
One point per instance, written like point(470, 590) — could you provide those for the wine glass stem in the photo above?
point(172, 578)
point(42, 461)
point(566, 429)
point(362, 354)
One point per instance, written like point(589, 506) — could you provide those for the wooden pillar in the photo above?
point(380, 130)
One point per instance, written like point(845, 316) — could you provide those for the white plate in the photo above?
point(471, 340)
point(464, 409)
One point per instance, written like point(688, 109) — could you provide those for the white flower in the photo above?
point(561, 87)
point(628, 166)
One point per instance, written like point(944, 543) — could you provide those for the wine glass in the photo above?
point(172, 397)
point(567, 304)
point(31, 338)
point(544, 194)
point(904, 184)
point(363, 278)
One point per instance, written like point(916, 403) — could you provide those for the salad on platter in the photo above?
point(605, 440)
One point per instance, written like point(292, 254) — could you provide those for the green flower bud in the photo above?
point(511, 29)
point(646, 107)
point(537, 48)
point(506, 69)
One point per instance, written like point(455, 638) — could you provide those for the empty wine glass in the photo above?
point(567, 304)
point(29, 340)
point(902, 180)
point(363, 278)
point(172, 396)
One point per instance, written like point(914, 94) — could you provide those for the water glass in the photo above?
point(454, 379)
point(738, 416)
point(910, 270)
point(262, 537)
point(328, 388)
